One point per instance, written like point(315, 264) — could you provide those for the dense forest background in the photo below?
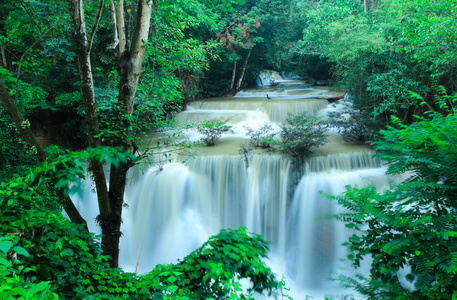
point(88, 79)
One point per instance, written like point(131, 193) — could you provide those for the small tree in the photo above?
point(262, 137)
point(212, 130)
point(300, 132)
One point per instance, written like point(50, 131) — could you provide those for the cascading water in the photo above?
point(173, 211)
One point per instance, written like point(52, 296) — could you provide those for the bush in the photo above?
point(300, 132)
point(412, 226)
point(213, 270)
point(262, 137)
point(212, 130)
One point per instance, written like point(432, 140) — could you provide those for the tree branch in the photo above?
point(98, 16)
point(31, 15)
point(115, 41)
point(121, 26)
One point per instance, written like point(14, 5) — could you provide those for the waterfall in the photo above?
point(269, 77)
point(172, 211)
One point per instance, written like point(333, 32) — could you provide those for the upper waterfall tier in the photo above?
point(269, 104)
point(237, 110)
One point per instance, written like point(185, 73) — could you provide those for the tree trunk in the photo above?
point(367, 5)
point(243, 71)
point(232, 84)
point(31, 141)
point(115, 41)
point(112, 225)
point(4, 60)
point(129, 70)
point(83, 45)
point(130, 63)
point(121, 25)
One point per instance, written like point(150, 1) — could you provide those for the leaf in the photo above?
point(5, 246)
point(21, 251)
point(44, 285)
point(172, 288)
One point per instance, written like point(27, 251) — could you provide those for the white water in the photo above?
point(172, 212)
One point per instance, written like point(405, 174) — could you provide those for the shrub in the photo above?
point(262, 137)
point(212, 130)
point(300, 132)
point(213, 270)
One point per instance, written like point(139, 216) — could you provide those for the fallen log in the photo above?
point(332, 98)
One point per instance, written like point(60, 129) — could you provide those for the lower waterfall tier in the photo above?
point(171, 212)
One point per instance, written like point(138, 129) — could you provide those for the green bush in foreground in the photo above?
point(45, 256)
point(414, 225)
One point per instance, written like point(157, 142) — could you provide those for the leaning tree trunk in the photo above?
point(243, 71)
point(41, 155)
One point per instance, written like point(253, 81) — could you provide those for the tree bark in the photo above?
point(87, 89)
point(121, 25)
point(115, 41)
point(243, 71)
point(367, 5)
point(4, 60)
point(130, 64)
point(41, 155)
point(232, 84)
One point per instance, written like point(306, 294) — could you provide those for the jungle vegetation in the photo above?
point(83, 81)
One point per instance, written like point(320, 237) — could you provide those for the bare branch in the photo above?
point(31, 15)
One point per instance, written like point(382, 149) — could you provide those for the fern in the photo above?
point(414, 223)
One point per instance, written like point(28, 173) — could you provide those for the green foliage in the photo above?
point(380, 55)
point(262, 137)
point(15, 156)
point(212, 130)
point(45, 256)
point(412, 226)
point(30, 98)
point(300, 132)
point(12, 282)
point(213, 270)
point(70, 167)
